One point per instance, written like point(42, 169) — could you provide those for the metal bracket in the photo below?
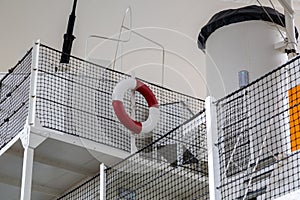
point(24, 136)
point(29, 139)
point(281, 46)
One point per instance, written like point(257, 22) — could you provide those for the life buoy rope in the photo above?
point(118, 106)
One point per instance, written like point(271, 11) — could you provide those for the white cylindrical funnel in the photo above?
point(241, 39)
point(245, 45)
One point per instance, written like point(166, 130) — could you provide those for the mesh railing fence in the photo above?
point(172, 167)
point(259, 137)
point(75, 98)
point(14, 99)
point(89, 190)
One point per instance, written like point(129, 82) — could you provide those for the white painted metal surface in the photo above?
point(27, 173)
point(102, 182)
point(28, 149)
point(213, 154)
point(241, 46)
point(33, 83)
point(291, 196)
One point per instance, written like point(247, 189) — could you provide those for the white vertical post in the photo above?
point(33, 83)
point(28, 149)
point(213, 154)
point(102, 182)
point(290, 26)
point(27, 173)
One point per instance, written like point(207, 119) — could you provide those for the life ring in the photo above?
point(117, 103)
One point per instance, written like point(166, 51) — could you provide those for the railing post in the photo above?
point(102, 182)
point(33, 83)
point(25, 137)
point(213, 154)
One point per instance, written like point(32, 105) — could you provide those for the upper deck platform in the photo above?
point(64, 112)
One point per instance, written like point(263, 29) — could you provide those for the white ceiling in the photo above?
point(173, 23)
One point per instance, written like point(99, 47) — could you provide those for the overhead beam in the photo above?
point(35, 187)
point(42, 159)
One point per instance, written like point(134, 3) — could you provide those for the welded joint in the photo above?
point(24, 136)
point(30, 139)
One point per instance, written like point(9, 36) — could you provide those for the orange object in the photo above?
point(294, 110)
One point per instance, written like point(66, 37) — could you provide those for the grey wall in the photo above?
point(173, 23)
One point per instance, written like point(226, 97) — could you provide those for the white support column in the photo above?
point(29, 142)
point(213, 154)
point(102, 182)
point(27, 173)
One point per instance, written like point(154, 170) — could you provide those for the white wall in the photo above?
point(2, 74)
point(173, 23)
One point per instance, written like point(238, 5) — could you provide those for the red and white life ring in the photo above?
point(117, 103)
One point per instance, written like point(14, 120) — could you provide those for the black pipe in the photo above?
point(68, 37)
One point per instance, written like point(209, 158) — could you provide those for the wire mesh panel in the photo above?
point(259, 137)
point(14, 99)
point(75, 98)
point(172, 167)
point(89, 190)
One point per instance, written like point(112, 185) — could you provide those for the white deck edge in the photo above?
point(79, 141)
point(290, 196)
point(10, 143)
